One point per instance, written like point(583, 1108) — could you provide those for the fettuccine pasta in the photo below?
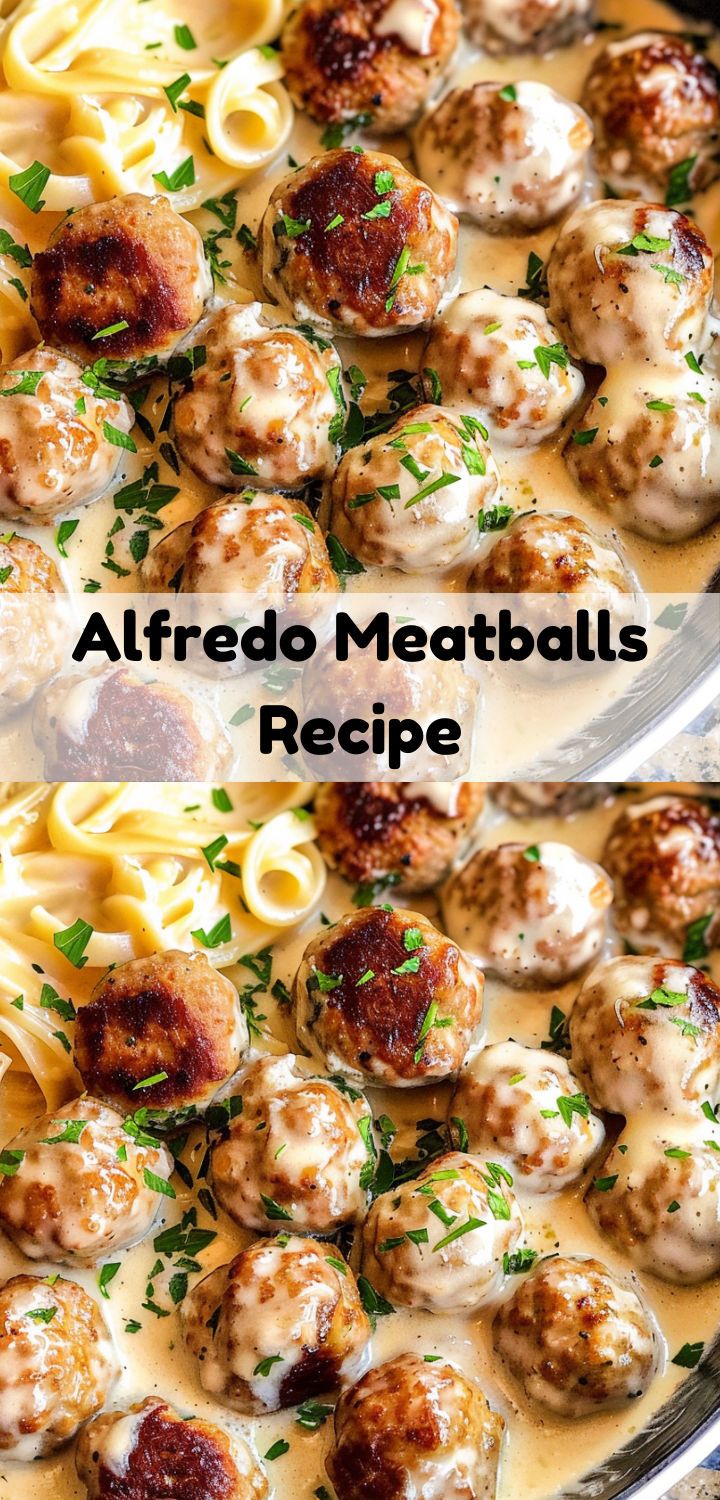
point(147, 868)
point(115, 98)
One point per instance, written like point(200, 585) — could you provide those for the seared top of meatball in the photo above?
point(25, 568)
point(552, 554)
point(150, 1450)
point(131, 262)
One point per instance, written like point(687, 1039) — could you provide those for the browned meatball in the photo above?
point(25, 568)
point(83, 1187)
point(577, 1339)
point(410, 832)
point(526, 25)
point(299, 1143)
point(554, 554)
point(413, 1428)
point(131, 264)
point(57, 1365)
point(534, 799)
point(150, 1450)
point(34, 623)
point(378, 58)
point(266, 545)
point(664, 857)
point(282, 1323)
point(655, 104)
point(112, 726)
point(371, 273)
point(171, 1018)
point(383, 995)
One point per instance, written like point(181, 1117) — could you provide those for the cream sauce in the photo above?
point(540, 1457)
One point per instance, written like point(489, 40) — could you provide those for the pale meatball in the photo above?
point(60, 445)
point(405, 833)
point(630, 281)
point(57, 1365)
point(82, 1186)
point(556, 554)
point(501, 26)
point(265, 410)
point(411, 498)
point(33, 620)
point(655, 104)
point(525, 1106)
point(383, 996)
point(412, 1252)
point(375, 58)
point(300, 1149)
point(149, 1449)
point(353, 242)
point(413, 1428)
point(124, 279)
point(266, 545)
point(501, 357)
point(645, 1034)
point(536, 799)
point(577, 1339)
point(532, 916)
point(113, 726)
point(664, 858)
point(277, 1326)
point(512, 157)
point(165, 1031)
point(649, 455)
point(657, 1198)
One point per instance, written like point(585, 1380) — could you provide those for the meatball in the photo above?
point(60, 444)
point(645, 1033)
point(511, 157)
point(524, 1105)
point(404, 834)
point(535, 799)
point(299, 1143)
point(57, 1365)
point(531, 916)
point(655, 104)
point(150, 1448)
point(664, 858)
point(354, 242)
point(555, 554)
point(411, 498)
point(266, 545)
point(165, 1031)
point(658, 1200)
point(265, 407)
point(279, 1325)
point(125, 279)
point(577, 1339)
point(650, 456)
point(502, 26)
point(374, 58)
point(82, 1187)
point(501, 357)
point(630, 281)
point(382, 995)
point(413, 1428)
point(412, 1252)
point(112, 726)
point(33, 620)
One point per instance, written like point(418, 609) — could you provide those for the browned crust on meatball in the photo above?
point(165, 1014)
point(172, 1458)
point(131, 260)
point(369, 829)
point(310, 573)
point(676, 886)
point(72, 1334)
point(519, 563)
point(138, 731)
point(337, 66)
point(353, 267)
point(30, 568)
point(381, 1020)
point(661, 127)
